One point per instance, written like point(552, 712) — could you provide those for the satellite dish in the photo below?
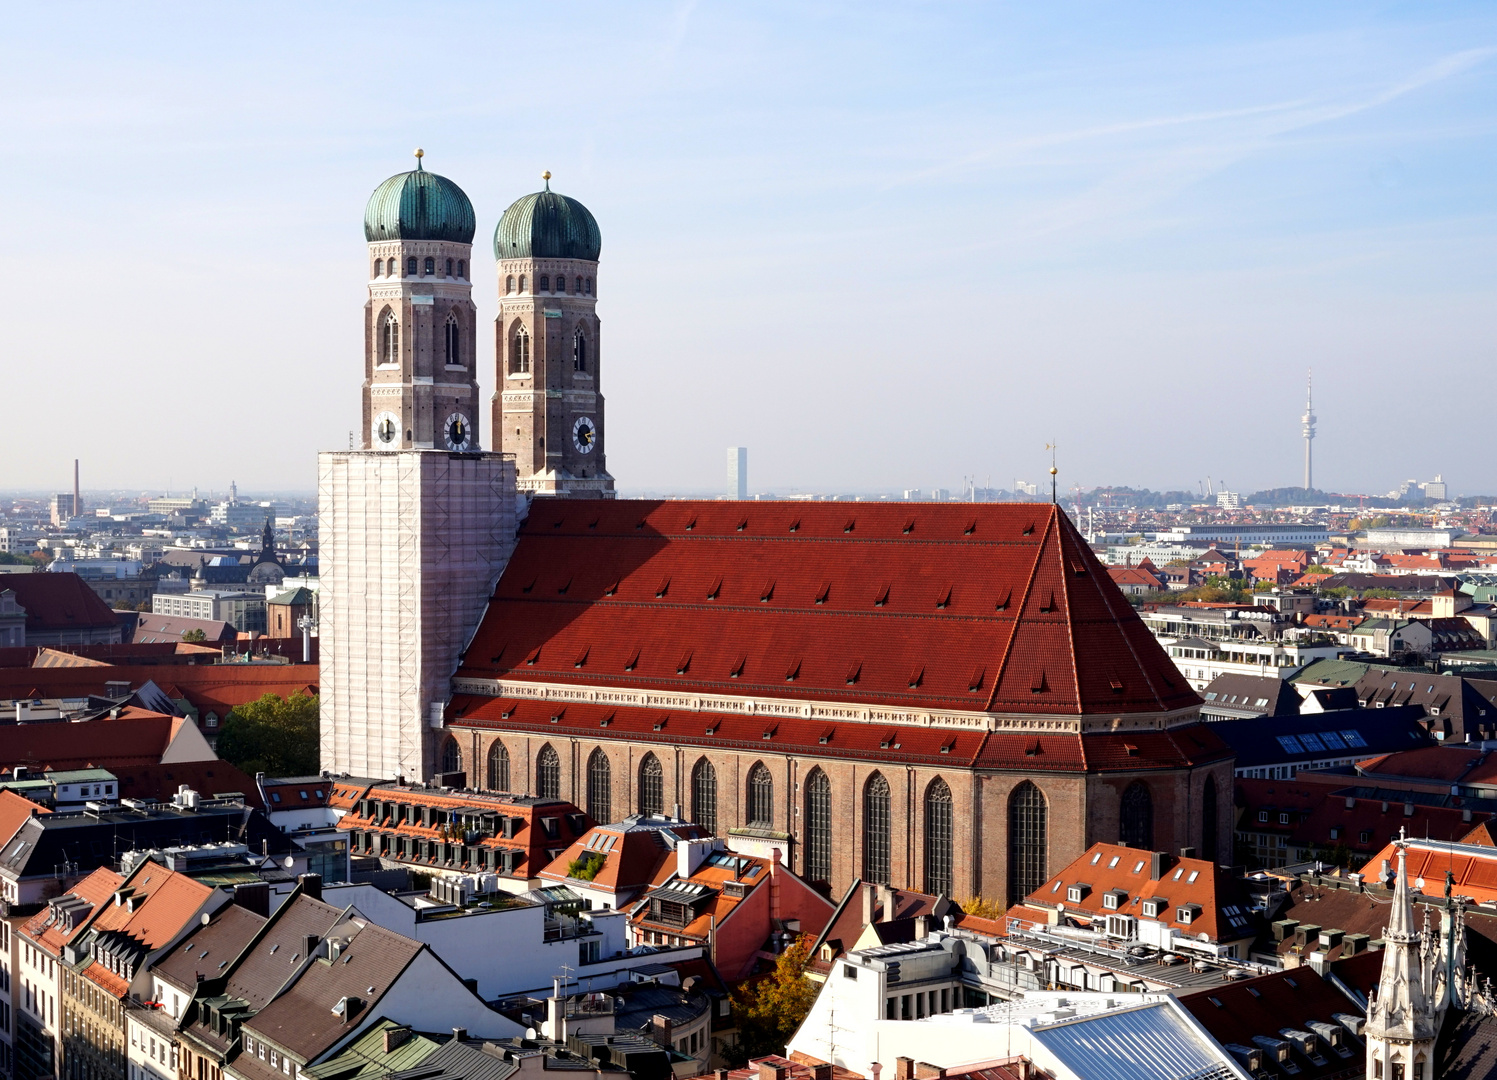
point(289, 863)
point(205, 918)
point(530, 1033)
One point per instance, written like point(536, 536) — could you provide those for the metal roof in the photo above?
point(419, 205)
point(546, 225)
point(1154, 1042)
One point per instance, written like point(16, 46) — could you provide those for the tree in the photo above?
point(195, 634)
point(983, 907)
point(275, 735)
point(769, 1011)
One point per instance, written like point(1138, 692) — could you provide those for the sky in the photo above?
point(883, 246)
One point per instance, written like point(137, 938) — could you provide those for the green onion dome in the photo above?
point(419, 205)
point(547, 226)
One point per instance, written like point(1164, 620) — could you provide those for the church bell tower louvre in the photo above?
point(415, 526)
point(548, 401)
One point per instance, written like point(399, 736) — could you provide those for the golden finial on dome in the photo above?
point(420, 153)
point(546, 176)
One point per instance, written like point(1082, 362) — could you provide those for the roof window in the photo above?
point(917, 677)
point(824, 592)
point(1003, 600)
point(737, 669)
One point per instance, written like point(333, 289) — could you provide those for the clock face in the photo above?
point(386, 431)
point(458, 432)
point(584, 435)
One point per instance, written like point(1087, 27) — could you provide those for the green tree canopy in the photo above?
point(195, 634)
point(275, 735)
point(769, 1011)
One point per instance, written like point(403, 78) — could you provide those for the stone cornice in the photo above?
point(847, 712)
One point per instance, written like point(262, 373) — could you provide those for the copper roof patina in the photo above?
point(419, 205)
point(546, 225)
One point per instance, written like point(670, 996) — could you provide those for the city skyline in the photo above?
point(1147, 228)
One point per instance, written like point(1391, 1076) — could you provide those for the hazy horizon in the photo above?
point(884, 247)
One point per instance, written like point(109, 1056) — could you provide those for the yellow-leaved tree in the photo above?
point(770, 1010)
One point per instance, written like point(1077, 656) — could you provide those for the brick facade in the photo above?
point(1081, 807)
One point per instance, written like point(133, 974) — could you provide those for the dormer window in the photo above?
point(1113, 899)
point(1078, 892)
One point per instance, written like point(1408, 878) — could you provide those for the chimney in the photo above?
point(768, 1070)
point(922, 927)
point(886, 901)
point(254, 896)
point(660, 1027)
point(459, 1034)
point(1466, 815)
point(396, 1037)
point(924, 1070)
point(1156, 865)
point(867, 904)
point(904, 1068)
point(1187, 853)
point(1408, 809)
point(822, 1071)
point(720, 1074)
point(309, 943)
point(311, 885)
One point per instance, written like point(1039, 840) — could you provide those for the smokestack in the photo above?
point(77, 497)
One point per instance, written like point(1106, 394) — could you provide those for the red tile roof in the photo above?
point(58, 602)
point(95, 889)
point(209, 687)
point(1223, 912)
point(15, 811)
point(998, 607)
point(1473, 872)
point(636, 859)
point(1239, 1012)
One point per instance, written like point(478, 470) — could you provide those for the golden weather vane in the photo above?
point(1050, 446)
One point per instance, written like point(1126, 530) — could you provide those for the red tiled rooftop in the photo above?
point(997, 607)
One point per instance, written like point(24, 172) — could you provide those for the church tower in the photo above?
point(1402, 1022)
point(420, 365)
point(548, 404)
point(415, 527)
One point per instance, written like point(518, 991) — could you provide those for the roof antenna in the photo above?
point(420, 153)
point(1053, 470)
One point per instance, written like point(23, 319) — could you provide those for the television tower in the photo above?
point(1308, 420)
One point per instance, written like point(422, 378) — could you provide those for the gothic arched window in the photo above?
point(545, 285)
point(379, 267)
point(519, 352)
point(509, 284)
point(876, 830)
point(1136, 817)
point(589, 286)
point(452, 757)
point(462, 268)
point(498, 767)
point(389, 342)
point(818, 827)
point(410, 266)
point(651, 786)
point(599, 787)
point(522, 282)
point(760, 797)
point(449, 267)
point(577, 286)
point(704, 796)
point(454, 342)
point(548, 773)
point(1027, 839)
point(579, 351)
point(938, 838)
point(1209, 825)
point(431, 265)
